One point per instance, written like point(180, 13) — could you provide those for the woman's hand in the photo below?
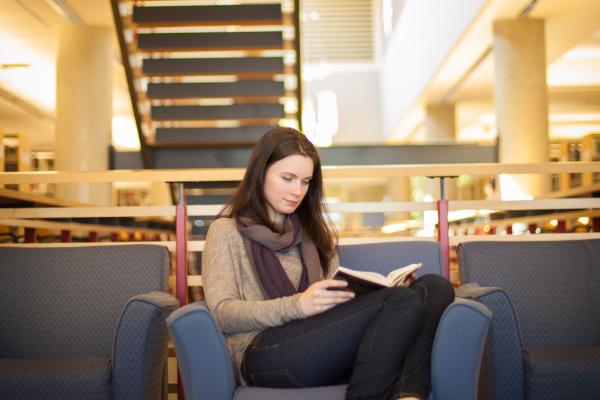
point(323, 295)
point(410, 279)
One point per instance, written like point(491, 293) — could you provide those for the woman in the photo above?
point(267, 267)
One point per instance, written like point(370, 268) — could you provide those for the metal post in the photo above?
point(181, 248)
point(596, 224)
point(181, 263)
point(65, 236)
point(443, 239)
point(30, 236)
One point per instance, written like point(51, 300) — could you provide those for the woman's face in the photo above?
point(286, 184)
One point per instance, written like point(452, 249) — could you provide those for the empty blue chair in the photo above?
point(84, 322)
point(545, 328)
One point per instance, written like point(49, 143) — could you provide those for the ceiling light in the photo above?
point(582, 53)
point(14, 65)
point(583, 220)
point(66, 11)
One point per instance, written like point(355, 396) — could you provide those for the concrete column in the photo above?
point(440, 123)
point(521, 97)
point(440, 127)
point(84, 108)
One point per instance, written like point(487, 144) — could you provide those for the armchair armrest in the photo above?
point(204, 363)
point(507, 363)
point(140, 347)
point(458, 349)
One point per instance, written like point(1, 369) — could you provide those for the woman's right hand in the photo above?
point(323, 295)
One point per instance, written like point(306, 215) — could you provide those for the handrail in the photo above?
point(146, 155)
point(88, 212)
point(535, 204)
point(77, 226)
point(351, 207)
point(329, 172)
point(532, 219)
point(456, 240)
point(38, 199)
point(354, 207)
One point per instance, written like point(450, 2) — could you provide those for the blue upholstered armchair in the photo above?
point(206, 369)
point(84, 322)
point(544, 340)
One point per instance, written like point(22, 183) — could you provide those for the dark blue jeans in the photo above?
point(381, 340)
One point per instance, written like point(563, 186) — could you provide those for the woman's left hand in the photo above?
point(410, 279)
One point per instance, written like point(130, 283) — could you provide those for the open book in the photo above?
point(361, 282)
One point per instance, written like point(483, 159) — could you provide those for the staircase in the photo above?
point(210, 75)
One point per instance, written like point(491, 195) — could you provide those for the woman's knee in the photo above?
point(401, 295)
point(437, 286)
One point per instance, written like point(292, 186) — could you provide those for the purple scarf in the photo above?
point(261, 243)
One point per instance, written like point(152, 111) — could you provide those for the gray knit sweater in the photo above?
point(233, 294)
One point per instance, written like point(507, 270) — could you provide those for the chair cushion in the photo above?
point(563, 373)
point(55, 378)
point(318, 393)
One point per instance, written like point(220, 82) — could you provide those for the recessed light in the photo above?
point(14, 65)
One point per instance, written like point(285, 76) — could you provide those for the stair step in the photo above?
point(201, 145)
point(215, 90)
point(209, 123)
point(208, 199)
point(236, 111)
point(249, 134)
point(210, 41)
point(244, 14)
point(214, 101)
point(211, 66)
point(189, 157)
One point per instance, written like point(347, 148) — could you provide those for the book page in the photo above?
point(397, 276)
point(367, 275)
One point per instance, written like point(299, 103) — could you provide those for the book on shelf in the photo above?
point(361, 282)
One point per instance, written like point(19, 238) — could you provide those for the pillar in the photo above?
point(440, 127)
point(84, 108)
point(521, 101)
point(440, 123)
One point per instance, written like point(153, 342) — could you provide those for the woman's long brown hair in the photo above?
point(275, 145)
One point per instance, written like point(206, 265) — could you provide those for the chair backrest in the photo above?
point(383, 257)
point(66, 301)
point(553, 285)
